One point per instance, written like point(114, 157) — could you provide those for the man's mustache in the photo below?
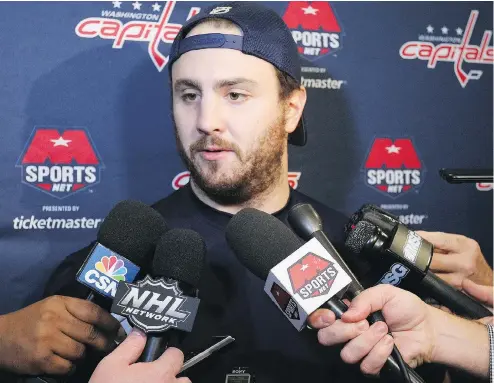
point(206, 142)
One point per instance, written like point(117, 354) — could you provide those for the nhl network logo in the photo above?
point(155, 305)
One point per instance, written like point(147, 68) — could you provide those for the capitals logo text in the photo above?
point(312, 276)
point(144, 30)
point(393, 167)
point(60, 162)
point(315, 28)
point(455, 53)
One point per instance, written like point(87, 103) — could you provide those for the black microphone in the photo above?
point(177, 267)
point(261, 242)
point(373, 214)
point(307, 224)
point(405, 258)
point(126, 241)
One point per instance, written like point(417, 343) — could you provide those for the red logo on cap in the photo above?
point(314, 27)
point(393, 167)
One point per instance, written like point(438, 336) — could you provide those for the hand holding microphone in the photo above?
point(402, 259)
point(121, 365)
point(422, 333)
point(299, 278)
point(457, 258)
point(164, 303)
point(48, 336)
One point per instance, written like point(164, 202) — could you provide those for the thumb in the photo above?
point(479, 292)
point(130, 349)
point(369, 301)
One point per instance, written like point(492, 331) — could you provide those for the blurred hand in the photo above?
point(48, 336)
point(457, 258)
point(120, 366)
point(406, 315)
point(483, 294)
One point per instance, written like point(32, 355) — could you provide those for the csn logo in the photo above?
point(315, 28)
point(393, 167)
point(104, 269)
point(60, 162)
point(312, 276)
point(182, 179)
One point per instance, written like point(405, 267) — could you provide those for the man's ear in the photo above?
point(295, 104)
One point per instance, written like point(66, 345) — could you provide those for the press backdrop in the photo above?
point(396, 91)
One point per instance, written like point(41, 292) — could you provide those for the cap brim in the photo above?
point(299, 136)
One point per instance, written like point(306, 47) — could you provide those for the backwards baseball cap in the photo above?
point(265, 35)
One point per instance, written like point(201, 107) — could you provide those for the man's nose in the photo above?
point(210, 119)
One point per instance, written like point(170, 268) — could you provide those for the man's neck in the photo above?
point(270, 201)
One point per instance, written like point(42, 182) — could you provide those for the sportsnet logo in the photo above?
point(393, 167)
point(315, 28)
point(60, 162)
point(182, 179)
point(152, 26)
point(312, 276)
point(456, 49)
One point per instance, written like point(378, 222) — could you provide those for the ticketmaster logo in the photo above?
point(317, 83)
point(33, 223)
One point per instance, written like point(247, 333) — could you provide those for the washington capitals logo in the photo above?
point(393, 167)
point(315, 28)
point(457, 53)
point(150, 23)
point(312, 276)
point(60, 162)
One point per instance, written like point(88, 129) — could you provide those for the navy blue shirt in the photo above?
point(234, 303)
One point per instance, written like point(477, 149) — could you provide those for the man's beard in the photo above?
point(256, 170)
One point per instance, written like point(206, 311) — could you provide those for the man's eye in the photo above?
point(189, 97)
point(234, 96)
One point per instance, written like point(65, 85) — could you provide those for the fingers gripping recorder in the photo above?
point(402, 258)
point(300, 278)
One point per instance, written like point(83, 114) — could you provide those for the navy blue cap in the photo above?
point(265, 35)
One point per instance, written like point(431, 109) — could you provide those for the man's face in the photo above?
point(229, 122)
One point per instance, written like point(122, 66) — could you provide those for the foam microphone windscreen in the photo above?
point(132, 229)
point(180, 255)
point(359, 236)
point(260, 241)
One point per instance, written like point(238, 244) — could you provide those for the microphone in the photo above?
point(125, 241)
point(405, 258)
point(299, 278)
point(168, 301)
point(307, 224)
point(373, 214)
